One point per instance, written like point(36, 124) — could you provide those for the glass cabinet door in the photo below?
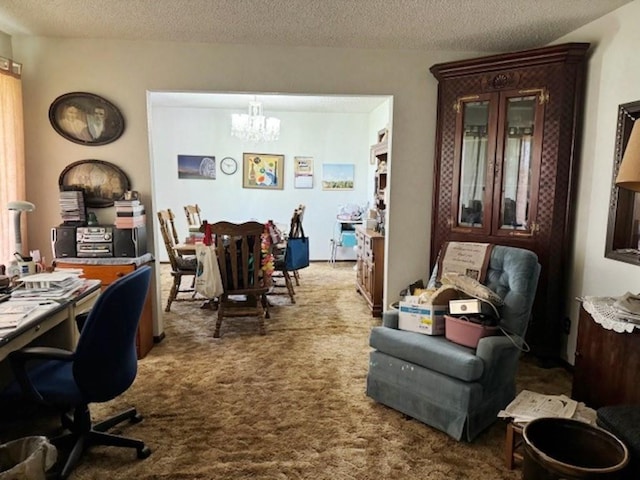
point(473, 169)
point(517, 177)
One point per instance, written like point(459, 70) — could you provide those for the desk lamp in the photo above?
point(17, 207)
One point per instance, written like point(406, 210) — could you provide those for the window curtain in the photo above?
point(474, 154)
point(12, 162)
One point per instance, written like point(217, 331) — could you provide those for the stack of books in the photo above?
point(72, 207)
point(53, 286)
point(129, 214)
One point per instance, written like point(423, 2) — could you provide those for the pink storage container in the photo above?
point(465, 332)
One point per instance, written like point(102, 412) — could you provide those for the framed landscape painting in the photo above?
point(192, 167)
point(263, 170)
point(338, 176)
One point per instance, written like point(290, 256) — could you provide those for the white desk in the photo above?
point(51, 324)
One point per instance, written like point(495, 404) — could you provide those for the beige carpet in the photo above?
point(287, 405)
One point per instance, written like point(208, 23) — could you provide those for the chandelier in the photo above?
point(255, 127)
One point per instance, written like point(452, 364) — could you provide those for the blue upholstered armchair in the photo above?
point(453, 388)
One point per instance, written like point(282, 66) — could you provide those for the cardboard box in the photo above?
point(422, 317)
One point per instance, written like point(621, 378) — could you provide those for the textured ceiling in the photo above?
point(471, 25)
point(466, 25)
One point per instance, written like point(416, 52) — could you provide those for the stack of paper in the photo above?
point(53, 285)
point(529, 405)
point(627, 307)
point(13, 313)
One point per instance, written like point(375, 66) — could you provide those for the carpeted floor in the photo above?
point(287, 405)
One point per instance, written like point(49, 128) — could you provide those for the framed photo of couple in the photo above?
point(86, 118)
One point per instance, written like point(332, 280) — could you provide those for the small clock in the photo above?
point(228, 165)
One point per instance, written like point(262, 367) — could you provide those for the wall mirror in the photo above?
point(623, 228)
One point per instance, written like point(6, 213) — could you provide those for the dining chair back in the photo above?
point(169, 219)
point(180, 266)
point(192, 213)
point(239, 251)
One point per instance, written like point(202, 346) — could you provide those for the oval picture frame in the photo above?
point(86, 118)
point(102, 182)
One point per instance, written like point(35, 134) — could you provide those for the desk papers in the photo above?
point(53, 285)
point(13, 313)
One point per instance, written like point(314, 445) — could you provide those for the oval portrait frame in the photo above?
point(102, 182)
point(86, 118)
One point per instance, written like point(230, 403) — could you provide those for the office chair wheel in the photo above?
point(144, 452)
point(137, 418)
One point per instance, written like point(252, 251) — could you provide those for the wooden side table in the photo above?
point(513, 441)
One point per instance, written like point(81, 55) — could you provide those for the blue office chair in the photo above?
point(103, 366)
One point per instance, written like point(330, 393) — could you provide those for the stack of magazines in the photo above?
point(627, 307)
point(53, 286)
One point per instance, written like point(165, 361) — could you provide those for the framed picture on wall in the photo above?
point(338, 176)
point(303, 172)
point(102, 182)
point(263, 170)
point(194, 167)
point(86, 118)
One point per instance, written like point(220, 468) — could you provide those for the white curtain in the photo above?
point(474, 154)
point(12, 162)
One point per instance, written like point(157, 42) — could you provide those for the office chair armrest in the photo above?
point(19, 359)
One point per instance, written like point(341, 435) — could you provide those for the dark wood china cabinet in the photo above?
point(506, 164)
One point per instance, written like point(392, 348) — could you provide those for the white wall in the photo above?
point(613, 78)
point(5, 45)
point(124, 71)
point(326, 137)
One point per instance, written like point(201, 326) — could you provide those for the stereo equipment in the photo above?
point(130, 242)
point(63, 241)
point(94, 234)
point(95, 249)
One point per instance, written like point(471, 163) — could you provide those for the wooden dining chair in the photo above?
point(180, 266)
point(279, 263)
point(238, 248)
point(169, 219)
point(194, 221)
point(298, 214)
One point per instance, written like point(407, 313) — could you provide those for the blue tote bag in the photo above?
point(296, 255)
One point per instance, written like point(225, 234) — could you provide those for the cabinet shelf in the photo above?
point(379, 158)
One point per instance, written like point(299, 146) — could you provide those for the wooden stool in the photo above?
point(512, 443)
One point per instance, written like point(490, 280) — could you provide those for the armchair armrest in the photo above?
point(390, 319)
point(19, 359)
point(500, 357)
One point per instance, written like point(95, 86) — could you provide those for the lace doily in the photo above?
point(602, 311)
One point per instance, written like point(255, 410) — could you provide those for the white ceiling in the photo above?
point(464, 25)
point(471, 25)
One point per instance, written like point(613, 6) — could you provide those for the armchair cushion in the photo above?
point(433, 352)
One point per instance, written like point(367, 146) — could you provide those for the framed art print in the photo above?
point(338, 176)
point(194, 167)
point(263, 170)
